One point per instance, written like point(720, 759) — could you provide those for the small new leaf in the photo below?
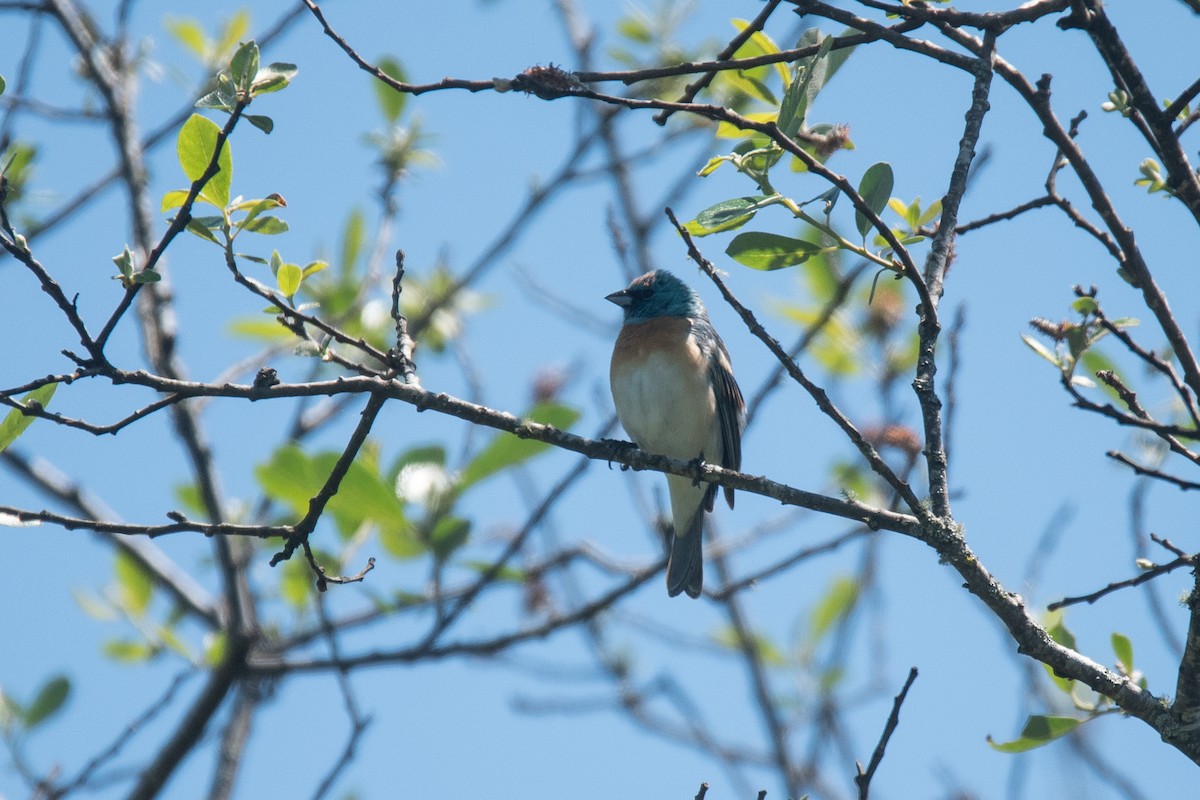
point(288, 278)
point(125, 263)
point(263, 123)
point(273, 78)
point(244, 66)
point(1123, 650)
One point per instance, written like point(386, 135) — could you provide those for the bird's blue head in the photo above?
point(658, 294)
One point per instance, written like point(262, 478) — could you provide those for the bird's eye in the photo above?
point(640, 292)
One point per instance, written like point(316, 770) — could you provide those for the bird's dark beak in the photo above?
point(621, 298)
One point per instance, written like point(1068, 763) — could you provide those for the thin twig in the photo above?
point(863, 779)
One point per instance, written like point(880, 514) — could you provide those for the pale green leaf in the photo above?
point(839, 600)
point(1041, 350)
point(196, 144)
point(190, 34)
point(288, 278)
point(391, 102)
point(506, 450)
point(129, 651)
point(135, 585)
point(15, 421)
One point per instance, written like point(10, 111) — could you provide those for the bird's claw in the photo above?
point(697, 464)
point(619, 444)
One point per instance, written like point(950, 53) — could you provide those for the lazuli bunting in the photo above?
point(676, 396)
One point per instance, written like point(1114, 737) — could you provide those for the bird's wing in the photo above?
point(731, 408)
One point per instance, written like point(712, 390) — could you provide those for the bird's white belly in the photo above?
point(667, 408)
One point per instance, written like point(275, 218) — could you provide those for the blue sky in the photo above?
point(456, 728)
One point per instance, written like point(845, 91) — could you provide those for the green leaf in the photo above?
point(506, 450)
point(15, 422)
point(352, 241)
point(3, 85)
point(448, 534)
point(1094, 361)
point(1085, 305)
point(196, 145)
point(838, 602)
point(293, 477)
point(313, 267)
point(288, 278)
point(215, 646)
point(257, 206)
point(147, 276)
point(801, 92)
point(711, 166)
point(1039, 729)
point(726, 215)
point(264, 124)
point(129, 651)
point(48, 701)
point(876, 189)
point(768, 251)
point(200, 227)
point(391, 102)
point(135, 585)
point(1058, 630)
point(125, 262)
point(266, 225)
point(244, 65)
point(1123, 649)
point(213, 100)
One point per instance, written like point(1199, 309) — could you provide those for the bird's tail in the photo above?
point(685, 566)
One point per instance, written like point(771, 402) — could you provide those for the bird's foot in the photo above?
point(697, 464)
point(619, 445)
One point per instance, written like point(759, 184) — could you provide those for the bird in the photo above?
point(673, 387)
